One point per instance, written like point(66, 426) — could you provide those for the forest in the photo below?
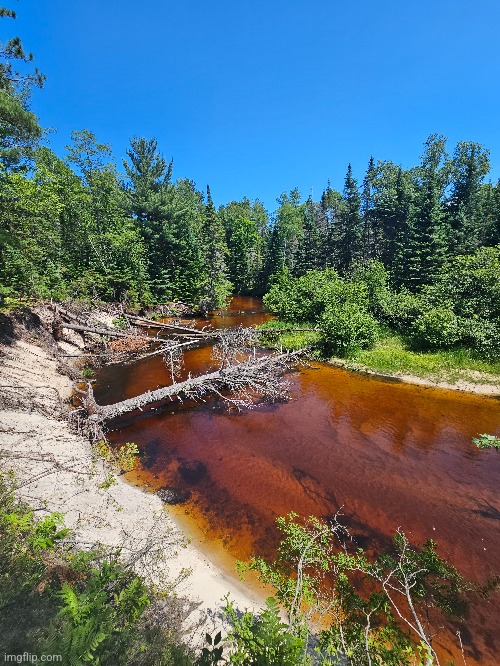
point(415, 249)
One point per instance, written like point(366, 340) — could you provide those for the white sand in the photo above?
point(57, 472)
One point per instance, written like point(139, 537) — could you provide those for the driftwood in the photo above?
point(257, 376)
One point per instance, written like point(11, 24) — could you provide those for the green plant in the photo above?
point(265, 640)
point(120, 322)
point(438, 328)
point(211, 654)
point(347, 328)
point(320, 571)
point(485, 441)
point(123, 459)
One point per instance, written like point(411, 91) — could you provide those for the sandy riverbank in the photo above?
point(57, 472)
point(482, 385)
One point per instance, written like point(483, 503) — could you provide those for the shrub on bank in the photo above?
point(347, 328)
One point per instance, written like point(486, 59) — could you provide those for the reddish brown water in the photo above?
point(392, 455)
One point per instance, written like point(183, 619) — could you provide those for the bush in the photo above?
point(402, 308)
point(301, 299)
point(438, 328)
point(347, 328)
point(373, 276)
point(482, 336)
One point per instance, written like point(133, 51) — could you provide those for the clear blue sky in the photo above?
point(258, 97)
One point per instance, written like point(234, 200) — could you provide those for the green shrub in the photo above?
point(438, 328)
point(303, 298)
point(265, 640)
point(402, 308)
point(481, 336)
point(347, 328)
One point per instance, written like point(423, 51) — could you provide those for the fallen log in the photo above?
point(106, 331)
point(261, 375)
point(150, 323)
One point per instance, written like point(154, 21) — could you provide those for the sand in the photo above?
point(57, 471)
point(473, 381)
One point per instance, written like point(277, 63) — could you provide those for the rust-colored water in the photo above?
point(392, 455)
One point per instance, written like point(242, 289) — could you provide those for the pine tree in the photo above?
point(350, 237)
point(310, 254)
point(19, 127)
point(427, 244)
point(331, 205)
point(149, 201)
point(217, 287)
point(469, 166)
point(371, 236)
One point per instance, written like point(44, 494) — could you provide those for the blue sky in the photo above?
point(255, 98)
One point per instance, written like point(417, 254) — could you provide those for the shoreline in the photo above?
point(462, 385)
point(56, 470)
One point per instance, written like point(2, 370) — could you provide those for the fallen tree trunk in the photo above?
point(150, 323)
point(106, 331)
point(262, 376)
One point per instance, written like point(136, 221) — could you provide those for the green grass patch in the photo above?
point(276, 335)
point(390, 355)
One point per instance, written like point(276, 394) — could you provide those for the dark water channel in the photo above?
point(391, 454)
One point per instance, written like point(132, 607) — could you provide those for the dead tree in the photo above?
point(238, 385)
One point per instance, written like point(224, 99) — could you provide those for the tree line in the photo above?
point(83, 226)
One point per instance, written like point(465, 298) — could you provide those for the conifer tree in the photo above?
point(371, 240)
point(350, 237)
point(217, 287)
point(469, 166)
point(311, 250)
point(427, 245)
point(331, 205)
point(19, 127)
point(149, 201)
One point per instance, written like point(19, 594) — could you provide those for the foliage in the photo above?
point(486, 441)
point(436, 328)
point(319, 571)
point(347, 328)
point(123, 458)
point(264, 640)
point(19, 128)
point(212, 652)
point(391, 354)
point(85, 606)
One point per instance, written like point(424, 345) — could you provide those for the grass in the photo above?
point(390, 355)
point(287, 340)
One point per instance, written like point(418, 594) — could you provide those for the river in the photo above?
point(390, 454)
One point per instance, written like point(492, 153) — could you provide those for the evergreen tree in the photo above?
point(489, 214)
point(286, 236)
point(392, 197)
point(469, 166)
point(19, 128)
point(311, 250)
point(350, 236)
point(371, 239)
point(189, 272)
point(331, 205)
point(217, 287)
point(149, 201)
point(427, 244)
